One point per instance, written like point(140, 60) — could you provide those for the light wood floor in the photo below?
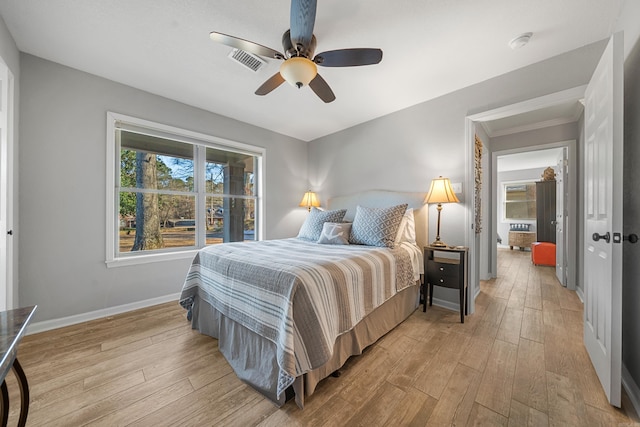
point(519, 360)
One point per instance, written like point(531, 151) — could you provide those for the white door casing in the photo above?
point(5, 182)
point(603, 163)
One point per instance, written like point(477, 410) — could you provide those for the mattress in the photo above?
point(279, 307)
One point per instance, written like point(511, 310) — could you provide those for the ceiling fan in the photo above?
point(299, 66)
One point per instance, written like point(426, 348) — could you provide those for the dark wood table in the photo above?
point(13, 325)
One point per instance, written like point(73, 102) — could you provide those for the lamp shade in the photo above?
point(298, 71)
point(441, 192)
point(309, 200)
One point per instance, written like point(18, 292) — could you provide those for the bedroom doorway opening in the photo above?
point(550, 219)
point(525, 113)
point(6, 188)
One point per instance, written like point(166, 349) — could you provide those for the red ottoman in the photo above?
point(543, 253)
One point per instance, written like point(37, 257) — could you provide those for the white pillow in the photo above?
point(407, 228)
point(335, 233)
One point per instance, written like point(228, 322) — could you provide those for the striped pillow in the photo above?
point(312, 227)
point(376, 226)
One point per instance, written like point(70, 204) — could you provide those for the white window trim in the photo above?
point(158, 129)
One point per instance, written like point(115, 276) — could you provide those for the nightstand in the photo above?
point(443, 269)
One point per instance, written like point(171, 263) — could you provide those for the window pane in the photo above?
point(520, 200)
point(230, 219)
point(229, 173)
point(520, 210)
point(155, 163)
point(525, 191)
point(151, 221)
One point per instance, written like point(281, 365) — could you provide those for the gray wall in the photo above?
point(631, 212)
point(8, 49)
point(62, 192)
point(543, 136)
point(405, 150)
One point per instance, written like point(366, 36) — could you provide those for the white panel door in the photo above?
point(561, 179)
point(603, 164)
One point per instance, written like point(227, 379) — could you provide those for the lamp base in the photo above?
point(439, 244)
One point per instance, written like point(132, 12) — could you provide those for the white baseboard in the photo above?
point(446, 304)
point(580, 294)
point(632, 389)
point(47, 325)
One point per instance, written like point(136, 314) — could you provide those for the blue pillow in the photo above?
point(376, 226)
point(312, 227)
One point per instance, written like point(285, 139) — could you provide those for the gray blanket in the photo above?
point(297, 294)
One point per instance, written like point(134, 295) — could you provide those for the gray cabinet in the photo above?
point(546, 211)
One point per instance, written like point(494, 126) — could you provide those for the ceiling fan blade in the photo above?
point(245, 45)
point(303, 17)
point(322, 89)
point(348, 57)
point(272, 83)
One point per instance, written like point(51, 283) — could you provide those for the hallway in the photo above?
point(541, 329)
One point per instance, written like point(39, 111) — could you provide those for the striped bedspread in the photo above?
point(299, 295)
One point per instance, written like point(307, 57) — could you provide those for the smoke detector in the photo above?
point(520, 41)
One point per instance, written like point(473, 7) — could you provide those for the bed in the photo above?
point(288, 313)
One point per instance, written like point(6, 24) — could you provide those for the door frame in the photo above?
point(472, 239)
point(9, 297)
point(570, 205)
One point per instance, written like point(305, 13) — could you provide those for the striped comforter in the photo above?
point(299, 295)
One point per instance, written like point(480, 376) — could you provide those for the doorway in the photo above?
point(524, 168)
point(527, 115)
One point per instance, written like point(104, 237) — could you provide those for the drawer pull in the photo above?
point(441, 268)
point(441, 280)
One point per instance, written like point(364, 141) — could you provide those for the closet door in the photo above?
point(546, 211)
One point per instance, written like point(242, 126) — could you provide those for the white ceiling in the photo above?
point(431, 47)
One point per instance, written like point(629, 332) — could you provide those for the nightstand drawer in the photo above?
point(442, 272)
point(450, 281)
point(440, 269)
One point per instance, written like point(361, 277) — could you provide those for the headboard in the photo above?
point(384, 198)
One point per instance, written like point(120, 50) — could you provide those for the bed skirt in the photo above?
point(252, 357)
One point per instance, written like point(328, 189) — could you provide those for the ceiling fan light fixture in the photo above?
point(298, 71)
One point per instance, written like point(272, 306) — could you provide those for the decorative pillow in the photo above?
point(335, 233)
point(376, 226)
point(407, 228)
point(312, 226)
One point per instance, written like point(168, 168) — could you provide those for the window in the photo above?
point(173, 191)
point(520, 200)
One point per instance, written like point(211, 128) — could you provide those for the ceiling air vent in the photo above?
point(252, 62)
